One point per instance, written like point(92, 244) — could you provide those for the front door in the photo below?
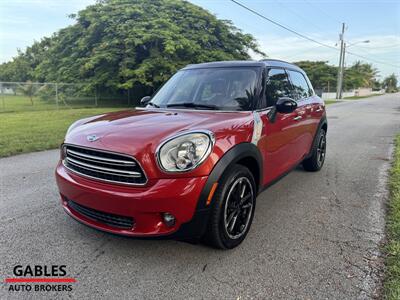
point(280, 140)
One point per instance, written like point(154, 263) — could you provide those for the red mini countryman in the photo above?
point(190, 164)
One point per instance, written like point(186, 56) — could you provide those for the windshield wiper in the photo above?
point(193, 105)
point(153, 104)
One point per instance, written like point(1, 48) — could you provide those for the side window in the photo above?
point(277, 86)
point(300, 86)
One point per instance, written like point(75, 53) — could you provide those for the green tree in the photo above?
point(390, 83)
point(322, 76)
point(18, 69)
point(376, 85)
point(131, 44)
point(359, 75)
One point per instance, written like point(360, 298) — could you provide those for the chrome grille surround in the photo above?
point(103, 165)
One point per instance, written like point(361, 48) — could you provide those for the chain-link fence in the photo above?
point(21, 96)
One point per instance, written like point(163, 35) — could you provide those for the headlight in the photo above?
point(185, 152)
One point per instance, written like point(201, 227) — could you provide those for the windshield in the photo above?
point(213, 88)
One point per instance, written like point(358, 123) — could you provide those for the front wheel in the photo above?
point(233, 208)
point(317, 158)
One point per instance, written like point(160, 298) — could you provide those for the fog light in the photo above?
point(169, 219)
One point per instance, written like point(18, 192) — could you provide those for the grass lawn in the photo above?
point(11, 103)
point(330, 101)
point(18, 103)
point(392, 283)
point(362, 97)
point(15, 103)
point(28, 131)
point(25, 127)
point(327, 102)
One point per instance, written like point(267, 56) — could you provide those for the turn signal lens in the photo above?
point(211, 194)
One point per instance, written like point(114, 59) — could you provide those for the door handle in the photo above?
point(318, 110)
point(297, 118)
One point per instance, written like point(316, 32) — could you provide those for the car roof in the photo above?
point(244, 63)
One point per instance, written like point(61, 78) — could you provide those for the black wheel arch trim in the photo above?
point(321, 124)
point(196, 227)
point(232, 156)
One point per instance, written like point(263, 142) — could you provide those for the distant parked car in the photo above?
point(191, 163)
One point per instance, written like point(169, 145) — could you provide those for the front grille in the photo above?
point(102, 165)
point(106, 218)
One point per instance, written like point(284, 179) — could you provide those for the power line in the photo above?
point(306, 37)
point(293, 12)
point(283, 26)
point(323, 11)
point(374, 48)
point(387, 53)
point(372, 59)
point(293, 58)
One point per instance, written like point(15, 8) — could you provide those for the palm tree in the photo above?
point(390, 83)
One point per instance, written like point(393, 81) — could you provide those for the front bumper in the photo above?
point(145, 205)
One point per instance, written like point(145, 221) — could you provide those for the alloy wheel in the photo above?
point(321, 150)
point(238, 207)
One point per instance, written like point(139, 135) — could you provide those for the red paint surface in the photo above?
point(139, 132)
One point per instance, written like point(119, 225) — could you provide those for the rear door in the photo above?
point(304, 117)
point(317, 107)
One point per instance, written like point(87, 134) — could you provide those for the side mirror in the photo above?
point(286, 105)
point(145, 100)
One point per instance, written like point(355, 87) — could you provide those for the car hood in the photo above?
point(137, 130)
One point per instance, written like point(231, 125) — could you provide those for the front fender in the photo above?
point(232, 156)
point(198, 225)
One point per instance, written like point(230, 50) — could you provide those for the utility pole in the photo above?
point(340, 69)
point(342, 74)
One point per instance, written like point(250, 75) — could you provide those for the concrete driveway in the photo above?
point(314, 235)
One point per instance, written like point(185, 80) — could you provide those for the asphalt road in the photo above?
point(314, 235)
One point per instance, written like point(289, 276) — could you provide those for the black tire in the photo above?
point(232, 181)
point(316, 160)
